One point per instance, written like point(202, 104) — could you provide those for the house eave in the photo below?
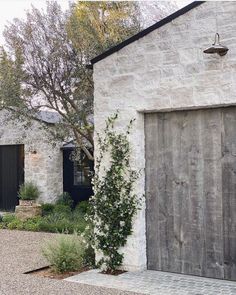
point(143, 33)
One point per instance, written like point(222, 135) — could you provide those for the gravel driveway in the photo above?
point(19, 253)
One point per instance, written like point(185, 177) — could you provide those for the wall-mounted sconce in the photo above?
point(217, 47)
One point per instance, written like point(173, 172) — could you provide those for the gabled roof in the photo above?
point(143, 33)
point(48, 117)
point(68, 145)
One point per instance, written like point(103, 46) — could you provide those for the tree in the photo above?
point(97, 26)
point(9, 80)
point(43, 66)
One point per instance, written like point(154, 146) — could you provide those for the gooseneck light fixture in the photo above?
point(217, 47)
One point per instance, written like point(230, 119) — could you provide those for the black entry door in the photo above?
point(11, 175)
point(75, 180)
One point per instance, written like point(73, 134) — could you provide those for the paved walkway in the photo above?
point(20, 252)
point(157, 283)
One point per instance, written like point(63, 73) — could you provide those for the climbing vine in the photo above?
point(114, 204)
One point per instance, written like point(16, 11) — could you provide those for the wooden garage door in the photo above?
point(191, 192)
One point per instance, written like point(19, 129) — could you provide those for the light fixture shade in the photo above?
point(217, 47)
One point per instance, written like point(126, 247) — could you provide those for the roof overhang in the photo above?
point(143, 33)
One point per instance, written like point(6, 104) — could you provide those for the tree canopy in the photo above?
point(43, 66)
point(44, 63)
point(97, 26)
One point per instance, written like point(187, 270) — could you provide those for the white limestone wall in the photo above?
point(45, 168)
point(166, 70)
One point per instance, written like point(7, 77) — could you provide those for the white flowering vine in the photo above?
point(114, 204)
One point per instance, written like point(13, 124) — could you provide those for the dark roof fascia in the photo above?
point(143, 33)
point(67, 148)
point(68, 145)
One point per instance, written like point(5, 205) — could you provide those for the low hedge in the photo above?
point(57, 218)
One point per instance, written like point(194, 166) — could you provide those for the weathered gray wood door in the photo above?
point(191, 192)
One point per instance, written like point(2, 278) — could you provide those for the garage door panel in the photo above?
point(212, 193)
point(187, 189)
point(152, 210)
point(183, 129)
point(229, 190)
point(166, 218)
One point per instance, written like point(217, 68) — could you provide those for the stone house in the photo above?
point(184, 138)
point(27, 155)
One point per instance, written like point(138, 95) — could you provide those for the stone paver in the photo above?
point(157, 283)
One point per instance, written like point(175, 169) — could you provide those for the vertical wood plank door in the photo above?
point(229, 190)
point(11, 175)
point(191, 192)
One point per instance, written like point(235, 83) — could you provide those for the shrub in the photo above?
point(32, 224)
point(82, 207)
point(79, 225)
point(62, 209)
point(89, 257)
point(47, 209)
point(65, 199)
point(7, 218)
point(11, 222)
point(56, 219)
point(64, 253)
point(15, 224)
point(28, 191)
point(56, 223)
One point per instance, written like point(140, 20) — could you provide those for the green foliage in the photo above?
point(114, 204)
point(65, 253)
point(10, 221)
point(62, 209)
point(61, 223)
point(66, 41)
point(89, 256)
point(63, 82)
point(7, 218)
point(82, 207)
point(10, 80)
point(47, 208)
point(95, 26)
point(28, 191)
point(15, 224)
point(65, 199)
point(56, 223)
point(31, 224)
point(56, 219)
point(62, 220)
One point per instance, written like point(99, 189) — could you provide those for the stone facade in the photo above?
point(163, 71)
point(45, 167)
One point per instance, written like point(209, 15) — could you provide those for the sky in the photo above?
point(10, 9)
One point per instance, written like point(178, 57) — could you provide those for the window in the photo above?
point(82, 174)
